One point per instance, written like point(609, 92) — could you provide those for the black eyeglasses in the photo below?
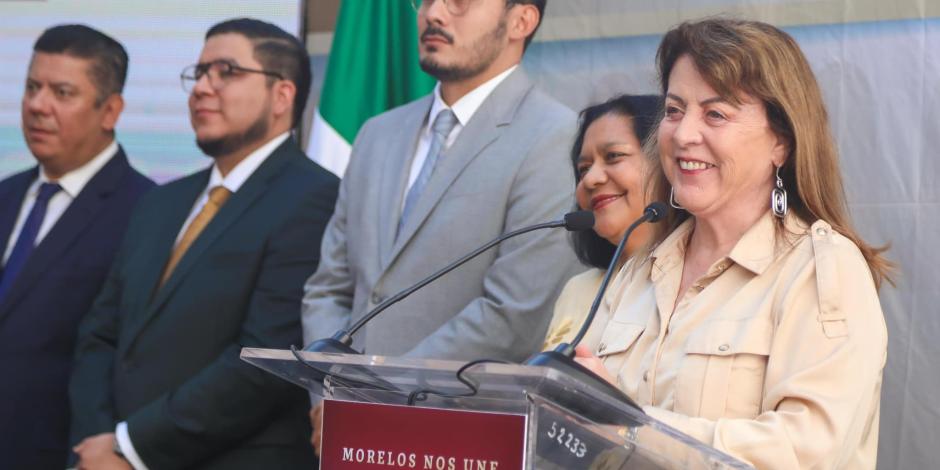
point(455, 7)
point(220, 72)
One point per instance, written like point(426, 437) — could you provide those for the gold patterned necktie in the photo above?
point(217, 197)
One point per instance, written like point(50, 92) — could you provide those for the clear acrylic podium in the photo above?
point(570, 425)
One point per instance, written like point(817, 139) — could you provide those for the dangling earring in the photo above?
point(672, 199)
point(778, 198)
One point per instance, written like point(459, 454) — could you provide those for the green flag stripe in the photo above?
point(373, 64)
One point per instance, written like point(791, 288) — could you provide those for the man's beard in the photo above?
point(483, 52)
point(233, 142)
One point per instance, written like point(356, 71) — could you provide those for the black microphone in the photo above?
point(562, 357)
point(340, 341)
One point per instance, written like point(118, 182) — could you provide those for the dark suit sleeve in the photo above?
point(90, 384)
point(90, 394)
point(230, 400)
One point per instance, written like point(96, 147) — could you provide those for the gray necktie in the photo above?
point(443, 124)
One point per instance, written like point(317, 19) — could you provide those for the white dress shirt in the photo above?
point(72, 184)
point(464, 109)
point(232, 181)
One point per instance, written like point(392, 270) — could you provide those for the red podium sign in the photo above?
point(371, 436)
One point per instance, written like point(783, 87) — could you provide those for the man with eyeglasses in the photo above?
point(60, 224)
point(484, 154)
point(211, 263)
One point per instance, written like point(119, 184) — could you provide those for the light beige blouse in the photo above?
point(774, 357)
point(572, 308)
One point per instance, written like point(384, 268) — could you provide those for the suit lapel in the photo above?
point(177, 206)
point(76, 219)
point(392, 189)
point(13, 194)
point(253, 188)
point(484, 127)
point(164, 221)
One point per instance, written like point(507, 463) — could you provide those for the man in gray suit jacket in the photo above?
point(421, 191)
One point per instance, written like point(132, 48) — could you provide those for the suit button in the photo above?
point(376, 298)
point(646, 376)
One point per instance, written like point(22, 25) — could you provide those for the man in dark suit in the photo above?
point(60, 225)
point(211, 263)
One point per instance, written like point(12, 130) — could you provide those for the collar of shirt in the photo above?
point(74, 181)
point(72, 184)
point(245, 168)
point(234, 179)
point(755, 251)
point(761, 245)
point(468, 104)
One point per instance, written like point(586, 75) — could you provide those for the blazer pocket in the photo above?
point(617, 338)
point(722, 372)
point(80, 273)
point(232, 259)
point(465, 192)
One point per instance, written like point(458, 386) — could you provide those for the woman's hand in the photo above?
point(316, 419)
point(584, 356)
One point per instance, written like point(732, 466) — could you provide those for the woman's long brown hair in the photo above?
point(736, 56)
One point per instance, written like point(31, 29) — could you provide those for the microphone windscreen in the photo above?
point(658, 211)
point(579, 220)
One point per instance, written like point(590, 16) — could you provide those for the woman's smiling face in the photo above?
point(611, 168)
point(716, 154)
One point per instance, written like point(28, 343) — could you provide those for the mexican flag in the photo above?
point(373, 67)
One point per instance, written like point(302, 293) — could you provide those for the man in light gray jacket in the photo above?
point(429, 181)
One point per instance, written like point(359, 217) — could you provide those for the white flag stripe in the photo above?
point(327, 147)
